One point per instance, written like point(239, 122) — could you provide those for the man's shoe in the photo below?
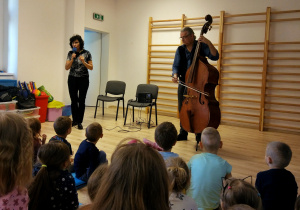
point(79, 126)
point(182, 137)
point(74, 123)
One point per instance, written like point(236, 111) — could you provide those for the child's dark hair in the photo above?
point(237, 191)
point(52, 156)
point(166, 135)
point(280, 153)
point(62, 124)
point(95, 180)
point(77, 37)
point(179, 174)
point(35, 125)
point(94, 132)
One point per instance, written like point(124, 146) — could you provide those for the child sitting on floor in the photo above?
point(36, 126)
point(277, 186)
point(207, 170)
point(88, 157)
point(53, 187)
point(16, 149)
point(179, 175)
point(238, 191)
point(166, 138)
point(63, 127)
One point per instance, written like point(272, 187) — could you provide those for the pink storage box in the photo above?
point(53, 114)
point(10, 105)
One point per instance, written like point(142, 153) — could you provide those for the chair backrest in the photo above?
point(115, 87)
point(147, 88)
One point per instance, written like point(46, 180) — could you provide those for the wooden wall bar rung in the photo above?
point(287, 89)
point(241, 100)
point(240, 93)
point(242, 15)
point(244, 43)
point(163, 63)
point(283, 127)
point(242, 51)
point(287, 19)
point(242, 72)
point(283, 73)
point(282, 81)
point(243, 114)
point(244, 58)
point(171, 105)
point(163, 51)
point(167, 99)
point(282, 96)
point(288, 51)
point(283, 119)
point(167, 93)
point(240, 121)
point(161, 69)
point(284, 12)
point(240, 86)
point(280, 43)
point(284, 58)
point(174, 26)
point(285, 66)
point(243, 22)
point(242, 79)
point(240, 107)
point(282, 111)
point(253, 65)
point(283, 104)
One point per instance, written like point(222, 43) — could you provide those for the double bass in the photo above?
point(200, 109)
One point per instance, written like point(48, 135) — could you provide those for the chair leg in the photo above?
point(102, 107)
point(156, 113)
point(126, 115)
point(132, 113)
point(96, 108)
point(150, 116)
point(123, 107)
point(117, 110)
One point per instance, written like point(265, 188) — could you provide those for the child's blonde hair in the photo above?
point(238, 191)
point(280, 153)
point(211, 139)
point(16, 149)
point(95, 180)
point(136, 179)
point(179, 174)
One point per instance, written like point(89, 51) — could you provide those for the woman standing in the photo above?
point(78, 61)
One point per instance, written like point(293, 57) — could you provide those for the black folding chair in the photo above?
point(149, 93)
point(113, 87)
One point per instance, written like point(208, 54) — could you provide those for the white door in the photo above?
point(92, 43)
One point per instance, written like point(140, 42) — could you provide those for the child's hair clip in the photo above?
point(229, 187)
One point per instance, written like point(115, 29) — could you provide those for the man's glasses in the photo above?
point(228, 182)
point(184, 37)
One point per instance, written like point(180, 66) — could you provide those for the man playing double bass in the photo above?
point(182, 61)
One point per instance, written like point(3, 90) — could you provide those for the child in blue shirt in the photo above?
point(166, 138)
point(207, 170)
point(88, 157)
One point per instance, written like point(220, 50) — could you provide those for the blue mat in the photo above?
point(78, 183)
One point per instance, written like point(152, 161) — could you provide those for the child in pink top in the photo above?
point(15, 161)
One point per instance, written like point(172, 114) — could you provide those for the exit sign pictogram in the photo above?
point(97, 16)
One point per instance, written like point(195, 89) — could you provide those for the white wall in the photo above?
point(45, 27)
point(133, 19)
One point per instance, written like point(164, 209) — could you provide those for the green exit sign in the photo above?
point(98, 16)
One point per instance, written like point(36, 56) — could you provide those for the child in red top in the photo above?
point(36, 126)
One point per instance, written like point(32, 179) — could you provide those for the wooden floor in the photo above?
point(243, 148)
